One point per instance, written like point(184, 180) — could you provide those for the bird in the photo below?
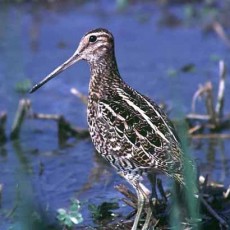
point(127, 128)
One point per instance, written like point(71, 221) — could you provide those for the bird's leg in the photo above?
point(140, 205)
point(153, 198)
point(142, 196)
point(146, 194)
point(147, 219)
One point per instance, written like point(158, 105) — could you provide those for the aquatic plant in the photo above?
point(72, 216)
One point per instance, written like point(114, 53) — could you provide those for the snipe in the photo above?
point(128, 129)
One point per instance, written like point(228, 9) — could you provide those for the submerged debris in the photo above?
point(214, 201)
point(3, 118)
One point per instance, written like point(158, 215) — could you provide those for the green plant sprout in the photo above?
point(72, 216)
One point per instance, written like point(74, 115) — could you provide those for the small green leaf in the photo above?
point(214, 57)
point(61, 211)
point(71, 216)
point(23, 86)
point(172, 72)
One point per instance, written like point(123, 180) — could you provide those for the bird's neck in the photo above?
point(104, 77)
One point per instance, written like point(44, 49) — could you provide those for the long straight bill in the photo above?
point(58, 70)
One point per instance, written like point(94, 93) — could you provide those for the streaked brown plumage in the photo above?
point(128, 129)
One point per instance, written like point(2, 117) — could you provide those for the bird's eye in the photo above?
point(92, 38)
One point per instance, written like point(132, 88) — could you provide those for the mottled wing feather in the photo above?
point(147, 129)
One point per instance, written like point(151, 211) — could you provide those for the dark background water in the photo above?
point(35, 38)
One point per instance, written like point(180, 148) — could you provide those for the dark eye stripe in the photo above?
point(105, 36)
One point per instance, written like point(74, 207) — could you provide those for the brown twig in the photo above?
point(212, 212)
point(209, 102)
point(127, 193)
point(211, 136)
point(194, 116)
point(129, 203)
point(194, 129)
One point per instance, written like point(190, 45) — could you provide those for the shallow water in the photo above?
point(33, 41)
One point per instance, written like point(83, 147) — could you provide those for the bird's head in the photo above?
point(95, 45)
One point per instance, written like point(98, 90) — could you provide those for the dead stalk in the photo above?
point(23, 107)
point(209, 102)
point(214, 118)
point(218, 28)
point(3, 118)
point(212, 212)
point(221, 90)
